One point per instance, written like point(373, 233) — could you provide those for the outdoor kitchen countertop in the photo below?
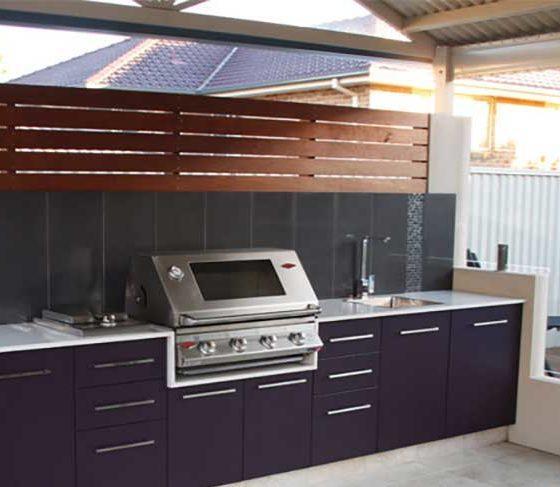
point(341, 309)
point(30, 336)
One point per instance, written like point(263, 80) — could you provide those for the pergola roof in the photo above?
point(459, 22)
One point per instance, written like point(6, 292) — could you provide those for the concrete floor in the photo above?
point(503, 464)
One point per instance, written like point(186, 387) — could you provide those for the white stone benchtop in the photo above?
point(341, 309)
point(30, 336)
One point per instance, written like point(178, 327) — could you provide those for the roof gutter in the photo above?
point(296, 87)
point(336, 86)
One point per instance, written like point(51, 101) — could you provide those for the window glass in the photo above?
point(528, 135)
point(478, 111)
point(406, 102)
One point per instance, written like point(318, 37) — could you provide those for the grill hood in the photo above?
point(225, 286)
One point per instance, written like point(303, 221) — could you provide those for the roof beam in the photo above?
point(478, 13)
point(523, 54)
point(169, 4)
point(188, 4)
point(119, 19)
point(389, 15)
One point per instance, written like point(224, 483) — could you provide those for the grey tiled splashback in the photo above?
point(74, 248)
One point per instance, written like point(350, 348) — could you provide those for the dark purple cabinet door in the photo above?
point(349, 337)
point(347, 374)
point(483, 369)
point(37, 419)
point(277, 424)
point(98, 407)
point(344, 425)
point(413, 380)
point(117, 363)
point(206, 435)
point(132, 455)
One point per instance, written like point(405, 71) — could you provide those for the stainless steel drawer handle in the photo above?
point(354, 373)
point(129, 446)
point(351, 338)
point(128, 363)
point(348, 410)
point(23, 375)
point(282, 384)
point(435, 329)
point(210, 394)
point(491, 323)
point(124, 405)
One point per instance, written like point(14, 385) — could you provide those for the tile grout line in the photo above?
point(294, 219)
point(48, 249)
point(103, 251)
point(251, 218)
point(205, 221)
point(155, 222)
point(335, 207)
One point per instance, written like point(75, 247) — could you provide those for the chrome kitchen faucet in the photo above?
point(365, 284)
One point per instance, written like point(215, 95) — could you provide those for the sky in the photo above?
point(24, 50)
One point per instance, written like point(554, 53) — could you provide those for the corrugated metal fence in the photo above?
point(521, 209)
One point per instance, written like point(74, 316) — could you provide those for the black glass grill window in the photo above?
point(237, 279)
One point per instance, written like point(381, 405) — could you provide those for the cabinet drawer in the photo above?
point(120, 362)
point(349, 337)
point(132, 455)
point(344, 426)
point(409, 330)
point(120, 404)
point(347, 374)
point(213, 415)
point(488, 319)
point(36, 367)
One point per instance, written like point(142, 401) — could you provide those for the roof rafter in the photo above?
point(389, 15)
point(478, 13)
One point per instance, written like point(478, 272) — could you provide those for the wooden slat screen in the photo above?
point(80, 139)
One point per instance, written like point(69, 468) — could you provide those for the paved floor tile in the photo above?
point(503, 464)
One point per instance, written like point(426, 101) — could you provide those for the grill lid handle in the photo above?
point(311, 310)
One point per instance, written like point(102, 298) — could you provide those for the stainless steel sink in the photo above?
point(392, 302)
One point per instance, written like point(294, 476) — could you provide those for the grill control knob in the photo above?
point(175, 273)
point(269, 341)
point(238, 344)
point(297, 338)
point(207, 348)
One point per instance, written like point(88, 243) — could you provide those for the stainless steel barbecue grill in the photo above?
point(236, 313)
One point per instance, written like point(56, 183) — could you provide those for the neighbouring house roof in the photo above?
point(248, 67)
point(196, 67)
point(76, 71)
point(164, 65)
point(545, 79)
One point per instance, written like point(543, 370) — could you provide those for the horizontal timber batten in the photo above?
point(80, 139)
point(76, 182)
